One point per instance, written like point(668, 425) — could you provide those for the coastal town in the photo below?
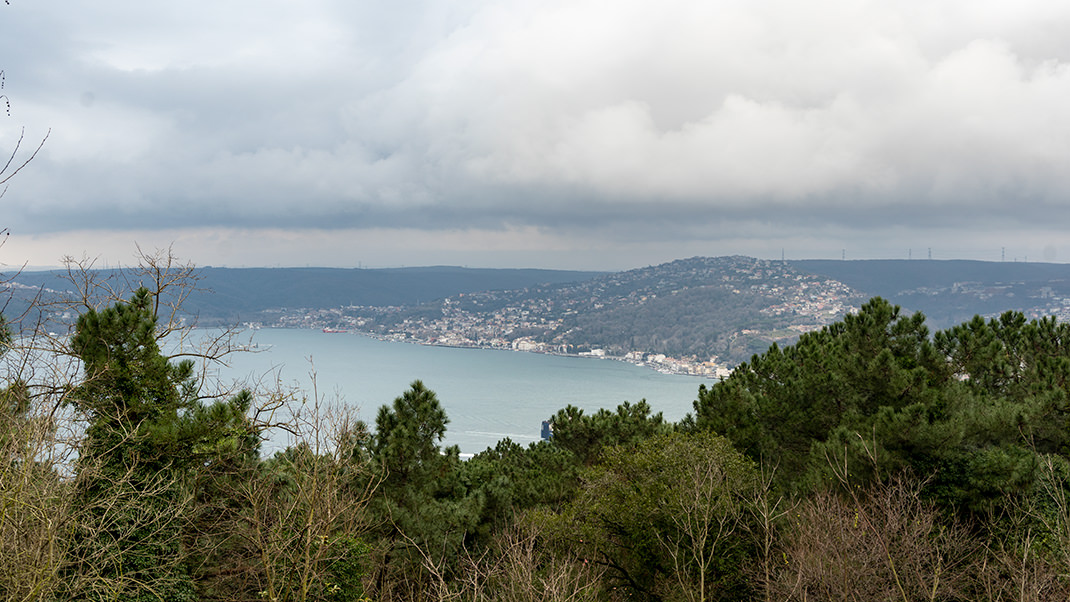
point(781, 305)
point(701, 316)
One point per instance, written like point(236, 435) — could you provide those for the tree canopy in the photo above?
point(970, 409)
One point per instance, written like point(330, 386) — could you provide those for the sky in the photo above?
point(579, 134)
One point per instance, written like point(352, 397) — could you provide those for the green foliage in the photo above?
point(5, 335)
point(666, 516)
point(347, 569)
point(14, 409)
point(305, 513)
point(509, 479)
point(967, 410)
point(1024, 363)
point(147, 430)
point(421, 503)
point(778, 404)
point(587, 435)
point(14, 414)
point(215, 536)
point(407, 438)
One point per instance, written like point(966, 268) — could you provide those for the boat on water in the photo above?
point(335, 330)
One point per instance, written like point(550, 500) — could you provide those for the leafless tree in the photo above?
point(881, 542)
point(16, 159)
point(706, 511)
point(1034, 565)
point(767, 514)
point(517, 567)
point(308, 510)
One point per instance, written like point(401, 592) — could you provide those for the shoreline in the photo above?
point(683, 368)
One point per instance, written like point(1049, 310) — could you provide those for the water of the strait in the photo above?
point(488, 394)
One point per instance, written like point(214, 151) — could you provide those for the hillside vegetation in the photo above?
point(730, 307)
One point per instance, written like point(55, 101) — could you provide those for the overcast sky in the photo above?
point(601, 134)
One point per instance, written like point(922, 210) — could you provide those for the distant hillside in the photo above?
point(258, 289)
point(229, 294)
point(730, 307)
point(951, 292)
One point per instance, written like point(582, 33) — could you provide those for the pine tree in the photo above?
point(421, 498)
point(779, 404)
point(147, 431)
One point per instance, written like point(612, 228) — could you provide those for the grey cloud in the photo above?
point(626, 120)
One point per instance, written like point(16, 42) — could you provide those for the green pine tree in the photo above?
point(421, 500)
point(148, 432)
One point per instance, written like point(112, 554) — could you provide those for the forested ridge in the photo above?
point(871, 460)
point(227, 295)
point(952, 291)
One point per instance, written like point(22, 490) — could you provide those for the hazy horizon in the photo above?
point(100, 264)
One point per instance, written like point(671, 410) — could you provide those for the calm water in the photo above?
point(487, 394)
